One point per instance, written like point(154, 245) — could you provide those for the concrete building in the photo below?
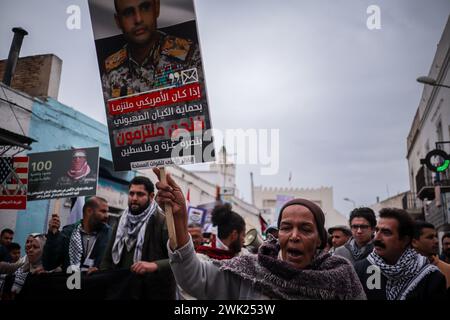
point(404, 200)
point(266, 199)
point(430, 130)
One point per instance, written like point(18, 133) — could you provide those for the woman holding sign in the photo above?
point(292, 267)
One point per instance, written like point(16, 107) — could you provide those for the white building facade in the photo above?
point(431, 130)
point(266, 199)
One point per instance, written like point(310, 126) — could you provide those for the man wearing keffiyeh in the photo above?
point(394, 271)
point(81, 244)
point(362, 224)
point(139, 240)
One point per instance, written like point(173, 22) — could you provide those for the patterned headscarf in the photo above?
point(21, 274)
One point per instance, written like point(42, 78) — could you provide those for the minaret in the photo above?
point(226, 170)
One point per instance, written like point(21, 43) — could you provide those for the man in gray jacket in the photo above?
point(362, 223)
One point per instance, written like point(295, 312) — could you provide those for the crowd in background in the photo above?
point(390, 257)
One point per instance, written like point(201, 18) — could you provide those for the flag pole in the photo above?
point(169, 215)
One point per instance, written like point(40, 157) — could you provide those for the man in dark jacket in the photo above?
point(359, 246)
point(139, 242)
point(6, 237)
point(395, 271)
point(81, 244)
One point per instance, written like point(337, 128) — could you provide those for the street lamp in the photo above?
point(350, 200)
point(431, 82)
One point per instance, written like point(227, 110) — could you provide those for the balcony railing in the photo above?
point(426, 181)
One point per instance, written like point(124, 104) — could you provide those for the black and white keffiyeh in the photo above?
point(20, 263)
point(75, 247)
point(358, 253)
point(405, 275)
point(19, 279)
point(131, 231)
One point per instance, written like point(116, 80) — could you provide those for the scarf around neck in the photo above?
point(131, 232)
point(79, 174)
point(216, 250)
point(404, 276)
point(357, 252)
point(215, 253)
point(75, 247)
point(327, 278)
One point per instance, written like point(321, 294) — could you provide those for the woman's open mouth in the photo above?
point(294, 254)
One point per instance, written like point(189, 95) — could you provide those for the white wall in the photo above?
point(434, 107)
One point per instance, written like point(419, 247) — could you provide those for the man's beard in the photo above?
point(95, 224)
point(235, 246)
point(139, 210)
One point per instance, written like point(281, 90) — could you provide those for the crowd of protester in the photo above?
point(391, 257)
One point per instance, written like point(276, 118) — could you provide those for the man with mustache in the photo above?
point(362, 223)
point(149, 55)
point(426, 243)
point(81, 244)
point(395, 271)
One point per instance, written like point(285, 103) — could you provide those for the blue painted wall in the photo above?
point(58, 127)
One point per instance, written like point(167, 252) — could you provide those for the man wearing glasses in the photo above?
point(362, 223)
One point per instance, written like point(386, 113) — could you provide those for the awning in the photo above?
point(12, 139)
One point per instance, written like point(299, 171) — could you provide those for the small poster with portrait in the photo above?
point(196, 216)
point(63, 174)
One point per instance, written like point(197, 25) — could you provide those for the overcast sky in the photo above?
point(342, 96)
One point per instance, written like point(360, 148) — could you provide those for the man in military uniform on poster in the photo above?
point(144, 62)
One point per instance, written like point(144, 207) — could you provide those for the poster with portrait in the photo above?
point(196, 215)
point(63, 174)
point(153, 82)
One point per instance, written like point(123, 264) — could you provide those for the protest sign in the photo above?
point(63, 174)
point(153, 83)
